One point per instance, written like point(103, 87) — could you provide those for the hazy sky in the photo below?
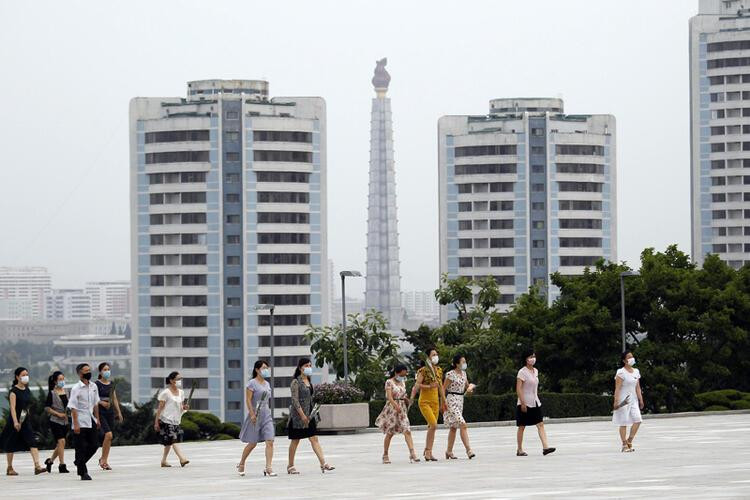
point(68, 70)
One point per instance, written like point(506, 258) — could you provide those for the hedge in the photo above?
point(725, 399)
point(491, 408)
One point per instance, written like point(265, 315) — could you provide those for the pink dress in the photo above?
point(389, 421)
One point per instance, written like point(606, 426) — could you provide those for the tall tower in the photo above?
point(383, 288)
point(720, 131)
point(228, 213)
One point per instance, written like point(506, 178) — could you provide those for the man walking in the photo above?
point(84, 406)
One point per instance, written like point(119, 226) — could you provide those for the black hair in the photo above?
point(101, 367)
point(169, 378)
point(302, 362)
point(456, 360)
point(256, 367)
point(52, 382)
point(624, 356)
point(398, 369)
point(80, 367)
point(526, 353)
point(17, 373)
point(430, 349)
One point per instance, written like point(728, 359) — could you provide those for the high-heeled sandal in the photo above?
point(630, 444)
point(386, 460)
point(269, 472)
point(626, 448)
point(48, 464)
point(470, 454)
point(450, 456)
point(291, 470)
point(38, 469)
point(241, 470)
point(326, 467)
point(430, 458)
point(521, 453)
point(165, 464)
point(183, 464)
point(104, 465)
point(10, 472)
point(413, 458)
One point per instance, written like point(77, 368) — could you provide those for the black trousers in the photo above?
point(86, 444)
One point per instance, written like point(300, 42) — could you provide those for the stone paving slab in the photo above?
point(689, 457)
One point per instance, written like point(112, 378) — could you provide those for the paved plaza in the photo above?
point(687, 457)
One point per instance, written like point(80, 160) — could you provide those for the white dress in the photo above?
point(630, 413)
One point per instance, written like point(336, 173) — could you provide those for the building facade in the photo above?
point(67, 305)
point(383, 278)
point(228, 200)
point(526, 191)
point(109, 299)
point(22, 291)
point(420, 304)
point(720, 131)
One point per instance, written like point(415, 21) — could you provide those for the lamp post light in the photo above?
point(344, 274)
point(624, 275)
point(270, 308)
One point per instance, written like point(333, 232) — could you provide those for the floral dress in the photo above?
point(455, 398)
point(389, 421)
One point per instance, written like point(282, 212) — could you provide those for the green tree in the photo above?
point(372, 350)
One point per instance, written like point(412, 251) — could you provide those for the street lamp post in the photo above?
point(270, 308)
point(344, 274)
point(624, 275)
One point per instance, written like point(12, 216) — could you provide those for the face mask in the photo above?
point(178, 384)
point(307, 371)
point(61, 384)
point(435, 360)
point(463, 366)
point(400, 378)
point(265, 373)
point(631, 361)
point(106, 374)
point(532, 361)
point(86, 376)
point(25, 379)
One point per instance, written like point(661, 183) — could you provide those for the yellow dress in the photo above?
point(429, 399)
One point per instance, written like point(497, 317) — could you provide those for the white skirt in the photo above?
point(627, 415)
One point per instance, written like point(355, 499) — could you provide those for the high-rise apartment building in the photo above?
point(383, 278)
point(109, 299)
point(22, 291)
point(720, 131)
point(67, 305)
point(420, 304)
point(228, 201)
point(526, 191)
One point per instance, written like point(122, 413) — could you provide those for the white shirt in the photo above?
point(172, 412)
point(629, 383)
point(529, 387)
point(83, 399)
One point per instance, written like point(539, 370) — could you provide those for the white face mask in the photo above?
point(463, 366)
point(532, 361)
point(435, 360)
point(25, 379)
point(307, 371)
point(178, 384)
point(631, 361)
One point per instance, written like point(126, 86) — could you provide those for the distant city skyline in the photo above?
point(69, 199)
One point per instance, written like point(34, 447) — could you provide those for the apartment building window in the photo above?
point(176, 157)
point(579, 149)
point(233, 301)
point(283, 197)
point(538, 262)
point(233, 219)
point(537, 187)
point(283, 258)
point(157, 260)
point(537, 169)
point(157, 341)
point(717, 147)
point(537, 224)
point(193, 280)
point(464, 225)
point(232, 115)
point(284, 279)
point(177, 136)
point(301, 177)
point(232, 198)
point(717, 164)
point(580, 205)
point(502, 261)
point(581, 187)
point(285, 299)
point(232, 156)
point(501, 224)
point(234, 384)
point(718, 181)
point(232, 178)
point(537, 244)
point(580, 224)
point(501, 187)
point(464, 243)
point(464, 206)
point(233, 239)
point(233, 280)
point(487, 150)
point(717, 130)
point(194, 342)
point(537, 150)
point(579, 260)
point(194, 300)
point(283, 238)
point(464, 188)
point(464, 262)
point(501, 206)
point(537, 131)
point(580, 242)
point(156, 198)
point(282, 136)
point(192, 177)
point(234, 322)
point(719, 248)
point(233, 260)
point(194, 321)
point(501, 242)
point(193, 197)
point(232, 136)
point(484, 168)
point(233, 343)
point(285, 156)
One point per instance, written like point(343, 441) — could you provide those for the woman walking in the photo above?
point(301, 425)
point(56, 407)
point(431, 398)
point(258, 425)
point(455, 386)
point(168, 416)
point(394, 419)
point(628, 401)
point(529, 408)
point(17, 434)
point(109, 410)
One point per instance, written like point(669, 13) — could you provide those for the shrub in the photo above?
point(207, 423)
point(741, 404)
point(190, 429)
point(338, 393)
point(724, 397)
point(230, 429)
point(281, 424)
point(491, 408)
point(716, 408)
point(222, 437)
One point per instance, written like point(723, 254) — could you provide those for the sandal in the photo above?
point(165, 464)
point(291, 470)
point(470, 454)
point(386, 460)
point(326, 467)
point(547, 451)
point(521, 453)
point(413, 458)
point(630, 444)
point(39, 470)
point(10, 472)
point(183, 464)
point(269, 472)
point(430, 458)
point(626, 448)
point(104, 465)
point(241, 469)
point(450, 456)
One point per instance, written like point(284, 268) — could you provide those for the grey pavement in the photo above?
point(687, 457)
